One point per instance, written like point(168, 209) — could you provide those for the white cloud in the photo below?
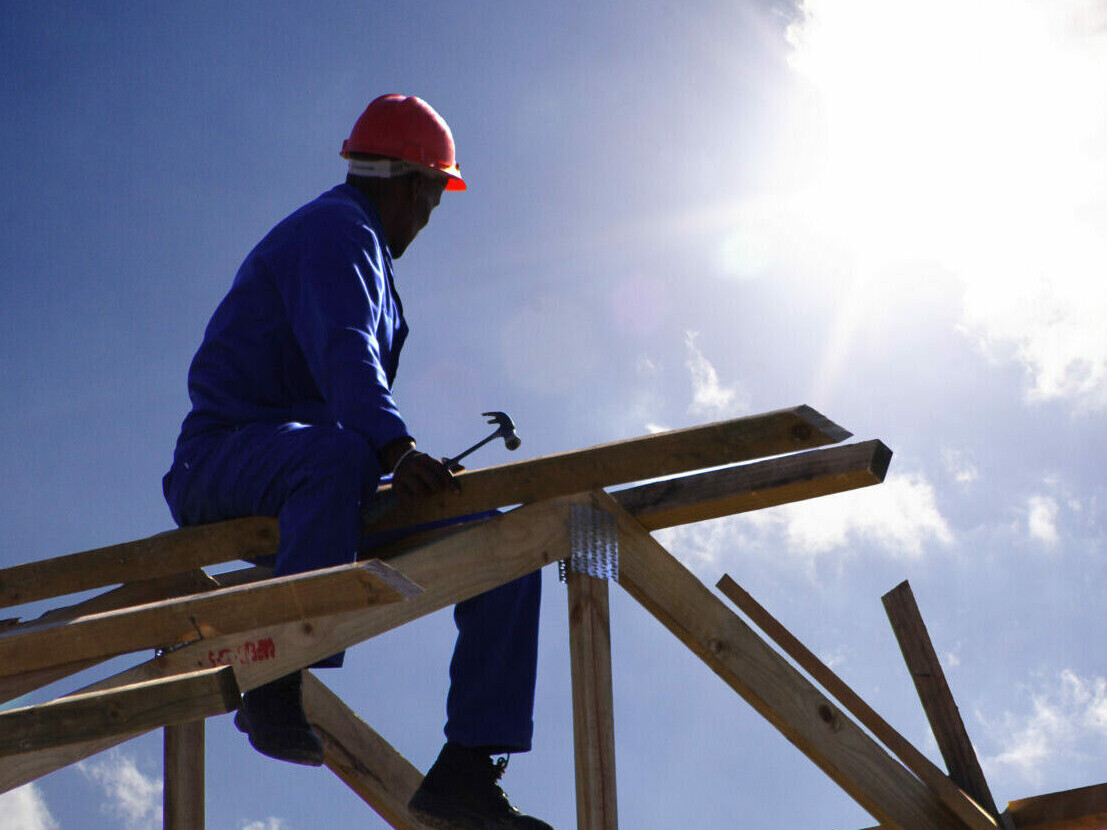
point(24, 809)
point(987, 164)
point(1067, 722)
point(899, 517)
point(959, 466)
point(1042, 519)
point(132, 796)
point(267, 824)
point(709, 396)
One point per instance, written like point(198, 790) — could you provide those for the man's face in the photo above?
point(424, 196)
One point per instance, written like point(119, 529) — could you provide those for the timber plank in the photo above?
point(710, 495)
point(363, 760)
point(937, 699)
point(593, 703)
point(953, 797)
point(605, 465)
point(450, 570)
point(185, 549)
point(120, 711)
point(621, 462)
point(771, 685)
point(1084, 808)
point(165, 623)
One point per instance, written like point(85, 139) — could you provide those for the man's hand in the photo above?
point(416, 475)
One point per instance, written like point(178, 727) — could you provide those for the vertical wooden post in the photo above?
point(593, 706)
point(183, 796)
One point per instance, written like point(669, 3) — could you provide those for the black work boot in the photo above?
point(460, 792)
point(273, 717)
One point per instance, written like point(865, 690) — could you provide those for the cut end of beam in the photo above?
point(822, 424)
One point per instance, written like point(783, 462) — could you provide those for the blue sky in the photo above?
point(890, 211)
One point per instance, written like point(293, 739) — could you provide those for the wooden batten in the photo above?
point(791, 703)
point(937, 699)
point(125, 710)
point(195, 617)
point(621, 462)
point(754, 486)
point(672, 453)
point(361, 758)
point(167, 553)
point(966, 809)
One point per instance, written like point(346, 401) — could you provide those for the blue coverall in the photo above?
point(291, 403)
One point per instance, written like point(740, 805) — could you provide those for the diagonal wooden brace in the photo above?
point(791, 703)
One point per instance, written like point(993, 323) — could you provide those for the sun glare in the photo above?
point(970, 134)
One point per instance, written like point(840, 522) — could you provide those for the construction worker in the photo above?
point(293, 416)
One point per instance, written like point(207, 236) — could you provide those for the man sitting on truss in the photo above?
point(293, 416)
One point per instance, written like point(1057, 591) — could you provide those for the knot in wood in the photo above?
point(829, 716)
point(801, 432)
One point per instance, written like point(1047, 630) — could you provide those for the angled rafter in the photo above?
point(120, 711)
point(967, 810)
point(159, 624)
point(167, 553)
point(694, 498)
point(450, 570)
point(361, 758)
point(771, 685)
point(937, 700)
point(621, 462)
point(805, 475)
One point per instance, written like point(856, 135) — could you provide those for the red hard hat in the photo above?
point(407, 128)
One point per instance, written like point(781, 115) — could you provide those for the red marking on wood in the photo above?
point(249, 652)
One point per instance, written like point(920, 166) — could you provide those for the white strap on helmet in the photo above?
point(381, 168)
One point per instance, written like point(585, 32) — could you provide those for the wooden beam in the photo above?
point(119, 711)
point(133, 593)
point(666, 453)
point(361, 758)
point(183, 805)
point(1080, 809)
point(879, 783)
point(171, 552)
point(806, 475)
point(165, 623)
point(966, 809)
point(593, 706)
point(621, 462)
point(937, 699)
point(450, 571)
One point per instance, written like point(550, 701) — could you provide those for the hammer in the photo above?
point(505, 428)
point(385, 503)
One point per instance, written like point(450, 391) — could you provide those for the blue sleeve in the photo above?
point(340, 307)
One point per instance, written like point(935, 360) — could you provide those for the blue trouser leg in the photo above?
point(312, 478)
point(492, 674)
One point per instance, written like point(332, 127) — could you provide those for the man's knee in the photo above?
point(341, 457)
